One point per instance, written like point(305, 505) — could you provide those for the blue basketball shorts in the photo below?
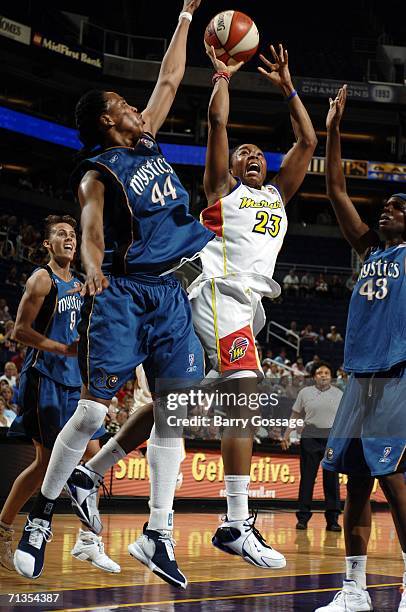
point(139, 319)
point(44, 406)
point(368, 436)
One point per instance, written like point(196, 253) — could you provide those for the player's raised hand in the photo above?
point(95, 282)
point(221, 66)
point(336, 109)
point(278, 70)
point(191, 5)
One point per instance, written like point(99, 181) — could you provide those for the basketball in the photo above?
point(234, 37)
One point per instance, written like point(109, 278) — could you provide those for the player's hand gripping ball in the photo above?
point(234, 37)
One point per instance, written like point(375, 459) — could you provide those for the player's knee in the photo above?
point(359, 485)
point(89, 416)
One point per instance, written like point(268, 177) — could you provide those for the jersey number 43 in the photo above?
point(374, 288)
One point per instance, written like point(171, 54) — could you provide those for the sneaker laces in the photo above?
point(251, 527)
point(38, 531)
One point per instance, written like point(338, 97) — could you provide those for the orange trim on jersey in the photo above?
point(238, 351)
point(212, 218)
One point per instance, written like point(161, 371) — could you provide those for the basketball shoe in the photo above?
point(82, 487)
point(351, 598)
point(30, 552)
point(155, 549)
point(243, 539)
point(89, 547)
point(6, 551)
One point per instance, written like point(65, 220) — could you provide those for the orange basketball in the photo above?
point(233, 35)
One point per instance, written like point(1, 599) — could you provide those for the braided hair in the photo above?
point(87, 112)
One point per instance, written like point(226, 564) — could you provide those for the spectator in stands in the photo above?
point(321, 336)
point(317, 405)
point(336, 287)
point(7, 394)
point(310, 364)
point(7, 412)
point(291, 283)
point(122, 417)
point(18, 359)
point(298, 368)
point(22, 280)
point(308, 334)
point(266, 366)
point(351, 281)
point(4, 311)
point(4, 420)
point(307, 283)
point(282, 358)
point(334, 335)
point(274, 374)
point(12, 277)
point(292, 332)
point(341, 379)
point(321, 286)
point(10, 373)
point(268, 353)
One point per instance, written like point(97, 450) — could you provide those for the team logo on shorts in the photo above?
point(386, 452)
point(329, 454)
point(238, 348)
point(114, 158)
point(192, 367)
point(111, 381)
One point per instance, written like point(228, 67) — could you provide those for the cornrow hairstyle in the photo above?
point(52, 220)
point(87, 112)
point(231, 153)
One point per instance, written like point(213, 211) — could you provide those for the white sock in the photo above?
point(164, 458)
point(70, 445)
point(404, 574)
point(237, 490)
point(107, 456)
point(356, 569)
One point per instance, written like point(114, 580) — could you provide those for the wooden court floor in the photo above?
point(217, 581)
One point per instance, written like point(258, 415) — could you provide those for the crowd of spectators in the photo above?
point(310, 285)
point(20, 240)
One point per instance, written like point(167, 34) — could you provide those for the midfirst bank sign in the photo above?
point(70, 52)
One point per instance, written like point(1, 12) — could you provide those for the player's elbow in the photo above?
point(216, 120)
point(309, 142)
point(18, 333)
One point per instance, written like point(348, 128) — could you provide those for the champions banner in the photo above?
point(272, 477)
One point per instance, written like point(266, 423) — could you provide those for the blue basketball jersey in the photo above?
point(57, 319)
point(147, 225)
point(376, 326)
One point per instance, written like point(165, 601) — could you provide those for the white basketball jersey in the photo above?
point(250, 225)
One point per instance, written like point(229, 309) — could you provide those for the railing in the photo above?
point(286, 266)
point(269, 333)
point(120, 44)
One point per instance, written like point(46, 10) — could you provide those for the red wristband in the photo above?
point(220, 75)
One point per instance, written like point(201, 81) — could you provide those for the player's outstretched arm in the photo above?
point(170, 74)
point(37, 288)
point(358, 234)
point(218, 181)
point(91, 198)
point(296, 161)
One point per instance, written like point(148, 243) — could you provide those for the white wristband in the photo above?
point(185, 15)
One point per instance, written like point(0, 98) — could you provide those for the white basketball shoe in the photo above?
point(243, 539)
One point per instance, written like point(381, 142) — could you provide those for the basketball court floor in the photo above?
point(217, 581)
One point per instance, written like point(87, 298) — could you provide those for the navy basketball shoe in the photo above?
point(30, 552)
point(155, 549)
point(82, 488)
